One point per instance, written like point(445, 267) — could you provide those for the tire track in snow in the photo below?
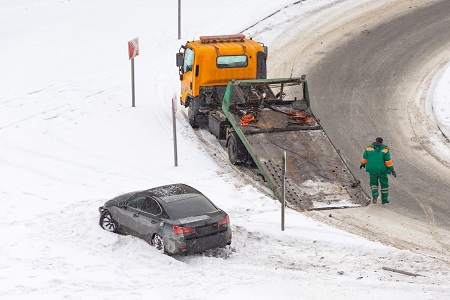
point(433, 228)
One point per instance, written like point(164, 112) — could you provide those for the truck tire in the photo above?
point(192, 113)
point(237, 153)
point(196, 118)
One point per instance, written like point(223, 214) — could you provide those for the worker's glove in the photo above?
point(362, 166)
point(394, 173)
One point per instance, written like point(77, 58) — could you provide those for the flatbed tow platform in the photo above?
point(268, 126)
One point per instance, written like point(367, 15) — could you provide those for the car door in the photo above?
point(130, 214)
point(150, 218)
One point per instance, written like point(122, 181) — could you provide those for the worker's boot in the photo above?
point(374, 199)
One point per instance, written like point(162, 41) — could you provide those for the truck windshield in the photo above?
point(235, 61)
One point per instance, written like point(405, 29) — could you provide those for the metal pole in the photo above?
point(175, 152)
point(132, 82)
point(283, 189)
point(179, 19)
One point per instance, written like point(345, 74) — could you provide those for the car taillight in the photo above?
point(182, 230)
point(225, 221)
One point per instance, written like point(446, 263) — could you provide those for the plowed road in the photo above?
point(368, 67)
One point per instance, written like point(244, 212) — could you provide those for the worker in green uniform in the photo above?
point(377, 161)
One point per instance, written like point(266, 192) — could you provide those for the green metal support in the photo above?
point(226, 109)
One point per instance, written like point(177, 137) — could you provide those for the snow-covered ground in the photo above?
point(440, 101)
point(70, 140)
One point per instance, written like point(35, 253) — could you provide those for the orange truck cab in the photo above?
point(208, 64)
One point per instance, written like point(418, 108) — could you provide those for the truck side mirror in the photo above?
point(179, 59)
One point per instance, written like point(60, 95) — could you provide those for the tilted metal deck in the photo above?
point(316, 176)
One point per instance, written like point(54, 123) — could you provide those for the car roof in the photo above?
point(172, 190)
point(181, 201)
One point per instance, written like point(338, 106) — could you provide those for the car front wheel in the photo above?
point(107, 222)
point(158, 243)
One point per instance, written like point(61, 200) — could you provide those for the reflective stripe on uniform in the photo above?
point(388, 163)
point(364, 161)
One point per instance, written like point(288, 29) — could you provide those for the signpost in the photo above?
point(174, 111)
point(133, 50)
point(283, 189)
point(179, 19)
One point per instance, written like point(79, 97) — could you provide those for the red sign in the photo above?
point(133, 48)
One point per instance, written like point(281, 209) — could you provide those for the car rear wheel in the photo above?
point(107, 222)
point(158, 243)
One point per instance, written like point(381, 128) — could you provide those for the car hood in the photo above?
point(112, 202)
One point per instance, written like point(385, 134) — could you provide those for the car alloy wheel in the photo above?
point(158, 243)
point(107, 222)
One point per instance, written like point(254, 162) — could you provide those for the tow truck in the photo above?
point(258, 120)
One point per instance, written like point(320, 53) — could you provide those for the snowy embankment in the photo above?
point(441, 101)
point(70, 140)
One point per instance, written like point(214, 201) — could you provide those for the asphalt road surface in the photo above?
point(360, 90)
point(367, 75)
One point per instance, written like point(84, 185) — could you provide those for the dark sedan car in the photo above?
point(175, 218)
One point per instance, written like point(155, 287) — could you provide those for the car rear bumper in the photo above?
point(199, 244)
point(209, 242)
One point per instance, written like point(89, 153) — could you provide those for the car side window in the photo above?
point(136, 202)
point(151, 207)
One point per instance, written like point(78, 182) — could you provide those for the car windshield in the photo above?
point(124, 196)
point(187, 205)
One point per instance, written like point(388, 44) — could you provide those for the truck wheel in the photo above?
point(236, 149)
point(192, 114)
